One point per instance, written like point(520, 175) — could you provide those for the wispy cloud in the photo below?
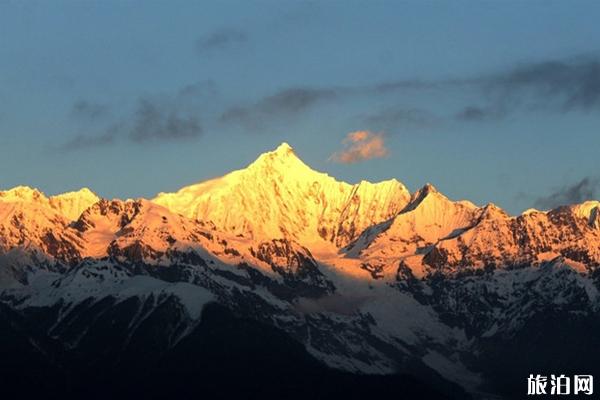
point(220, 39)
point(562, 85)
point(89, 111)
point(158, 118)
point(81, 141)
point(285, 103)
point(553, 87)
point(586, 189)
point(478, 114)
point(395, 86)
point(360, 146)
point(157, 122)
point(394, 117)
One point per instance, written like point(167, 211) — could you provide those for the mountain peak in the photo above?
point(589, 210)
point(282, 160)
point(284, 149)
point(278, 195)
point(492, 211)
point(21, 193)
point(429, 189)
point(72, 204)
point(81, 193)
point(427, 193)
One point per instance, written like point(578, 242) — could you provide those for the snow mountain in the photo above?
point(364, 282)
point(278, 196)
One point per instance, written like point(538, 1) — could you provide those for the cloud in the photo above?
point(567, 85)
point(558, 86)
point(90, 111)
point(472, 113)
point(81, 141)
point(220, 39)
point(478, 114)
point(586, 189)
point(409, 84)
point(284, 103)
point(360, 146)
point(390, 118)
point(160, 118)
point(294, 99)
point(197, 90)
point(154, 121)
point(552, 86)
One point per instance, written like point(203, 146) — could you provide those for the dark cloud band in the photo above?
point(220, 39)
point(586, 189)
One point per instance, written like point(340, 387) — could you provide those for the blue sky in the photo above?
point(489, 101)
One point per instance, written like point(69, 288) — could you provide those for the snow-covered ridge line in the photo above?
point(371, 227)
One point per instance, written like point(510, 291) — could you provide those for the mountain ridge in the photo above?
point(368, 278)
point(279, 197)
point(278, 185)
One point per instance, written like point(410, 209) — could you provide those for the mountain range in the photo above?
point(282, 270)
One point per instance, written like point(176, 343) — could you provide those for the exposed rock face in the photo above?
point(525, 240)
point(295, 264)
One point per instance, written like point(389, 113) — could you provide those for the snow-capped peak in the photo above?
point(429, 188)
point(284, 149)
point(21, 193)
point(278, 195)
point(588, 210)
point(72, 204)
point(282, 160)
point(81, 193)
point(428, 195)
